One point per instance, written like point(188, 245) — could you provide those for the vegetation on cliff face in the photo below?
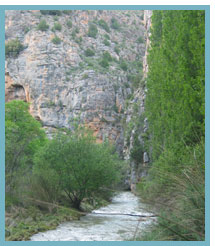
point(175, 109)
point(13, 48)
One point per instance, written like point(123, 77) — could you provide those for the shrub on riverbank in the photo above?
point(180, 202)
point(80, 168)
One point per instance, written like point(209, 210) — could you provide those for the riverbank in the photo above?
point(21, 223)
point(118, 221)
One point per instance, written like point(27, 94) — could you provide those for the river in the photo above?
point(112, 223)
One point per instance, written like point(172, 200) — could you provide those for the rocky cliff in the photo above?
point(86, 66)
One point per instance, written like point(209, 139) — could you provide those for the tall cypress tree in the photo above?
point(175, 98)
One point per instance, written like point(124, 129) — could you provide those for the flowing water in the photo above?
point(109, 225)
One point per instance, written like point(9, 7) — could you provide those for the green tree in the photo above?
point(81, 166)
point(174, 106)
point(175, 83)
point(24, 137)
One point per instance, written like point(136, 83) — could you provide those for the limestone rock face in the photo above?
point(63, 83)
point(135, 122)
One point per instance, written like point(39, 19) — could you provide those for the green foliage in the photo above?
point(123, 65)
point(43, 26)
point(115, 108)
point(57, 26)
point(26, 29)
point(77, 30)
point(181, 217)
point(56, 40)
point(23, 138)
point(104, 63)
point(73, 34)
point(104, 25)
point(79, 40)
point(106, 56)
point(117, 50)
point(79, 165)
point(115, 24)
point(177, 72)
point(51, 12)
point(13, 47)
point(136, 79)
point(140, 40)
point(106, 42)
point(92, 31)
point(27, 222)
point(107, 36)
point(89, 52)
point(137, 150)
point(85, 76)
point(69, 24)
point(67, 12)
point(175, 108)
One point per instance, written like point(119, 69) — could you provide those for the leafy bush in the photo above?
point(85, 76)
point(43, 26)
point(57, 26)
point(106, 42)
point(106, 56)
point(26, 29)
point(137, 150)
point(69, 24)
point(140, 40)
point(92, 32)
point(78, 40)
point(123, 65)
point(182, 187)
point(107, 36)
point(115, 24)
point(73, 34)
point(13, 47)
point(51, 12)
point(81, 167)
point(117, 50)
point(56, 40)
point(77, 30)
point(89, 52)
point(104, 25)
point(104, 63)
